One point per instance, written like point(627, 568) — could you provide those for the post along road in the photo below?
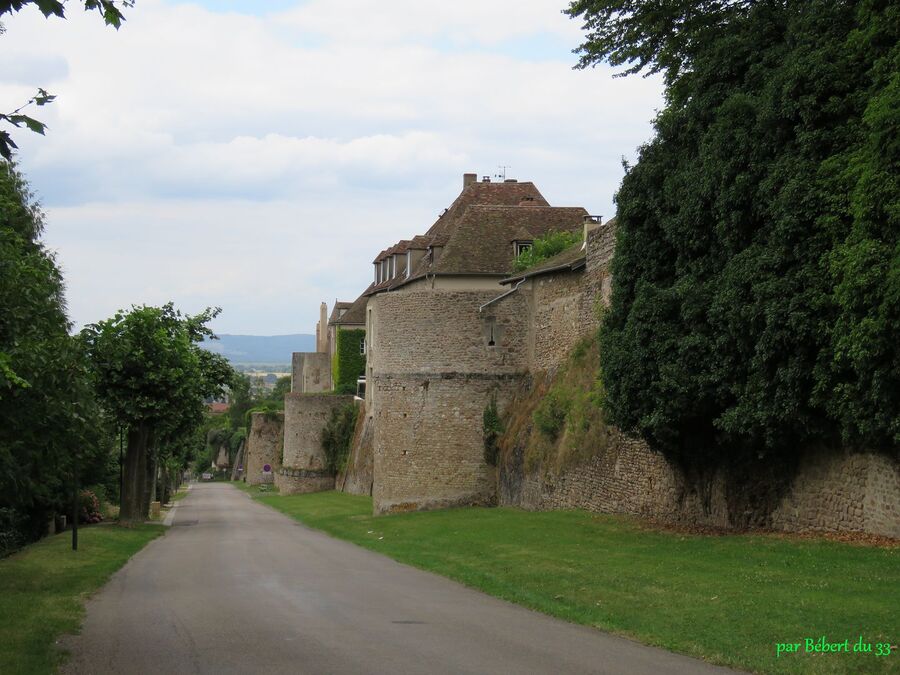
point(235, 587)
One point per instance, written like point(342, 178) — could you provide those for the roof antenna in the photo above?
point(502, 174)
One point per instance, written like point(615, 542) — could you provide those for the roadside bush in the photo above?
point(89, 507)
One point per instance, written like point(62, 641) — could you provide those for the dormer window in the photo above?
point(521, 247)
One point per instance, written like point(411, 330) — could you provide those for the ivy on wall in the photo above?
point(349, 362)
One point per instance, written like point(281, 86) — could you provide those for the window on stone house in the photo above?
point(362, 346)
point(522, 246)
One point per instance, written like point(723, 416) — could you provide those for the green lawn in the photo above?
point(727, 599)
point(44, 586)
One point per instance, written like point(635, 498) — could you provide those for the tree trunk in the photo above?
point(134, 476)
point(149, 492)
point(154, 476)
point(164, 484)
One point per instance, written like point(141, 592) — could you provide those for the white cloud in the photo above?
point(260, 162)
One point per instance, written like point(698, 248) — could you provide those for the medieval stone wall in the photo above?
point(624, 477)
point(433, 370)
point(264, 445)
point(297, 481)
point(840, 491)
point(831, 491)
point(557, 318)
point(358, 477)
point(305, 416)
point(310, 372)
point(434, 331)
point(563, 307)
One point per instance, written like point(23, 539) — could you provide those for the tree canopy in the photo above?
point(152, 376)
point(756, 296)
point(48, 419)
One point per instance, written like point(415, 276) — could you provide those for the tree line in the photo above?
point(65, 399)
point(756, 297)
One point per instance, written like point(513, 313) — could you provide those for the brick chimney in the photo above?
point(469, 179)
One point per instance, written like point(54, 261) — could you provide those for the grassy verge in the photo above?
point(727, 599)
point(44, 586)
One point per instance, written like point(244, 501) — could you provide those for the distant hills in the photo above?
point(261, 349)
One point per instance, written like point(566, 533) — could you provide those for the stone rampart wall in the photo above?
point(434, 331)
point(296, 481)
point(428, 447)
point(433, 372)
point(310, 372)
point(305, 416)
point(830, 492)
point(264, 446)
point(558, 318)
point(357, 479)
point(843, 492)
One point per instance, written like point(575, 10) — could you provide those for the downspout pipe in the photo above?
point(500, 297)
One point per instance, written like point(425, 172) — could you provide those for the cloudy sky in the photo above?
point(256, 155)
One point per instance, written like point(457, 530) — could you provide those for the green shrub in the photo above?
point(550, 416)
point(545, 247)
point(89, 507)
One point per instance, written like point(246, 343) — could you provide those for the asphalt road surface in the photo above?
point(235, 587)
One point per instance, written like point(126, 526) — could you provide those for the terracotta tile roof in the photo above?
point(355, 314)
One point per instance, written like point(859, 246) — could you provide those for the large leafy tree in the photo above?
point(49, 424)
point(152, 377)
point(756, 304)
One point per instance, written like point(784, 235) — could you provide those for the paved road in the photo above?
point(235, 587)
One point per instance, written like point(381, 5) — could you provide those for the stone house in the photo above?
point(440, 348)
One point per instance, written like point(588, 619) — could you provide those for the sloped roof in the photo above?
point(481, 243)
point(475, 233)
point(335, 311)
point(355, 314)
point(486, 194)
point(570, 259)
